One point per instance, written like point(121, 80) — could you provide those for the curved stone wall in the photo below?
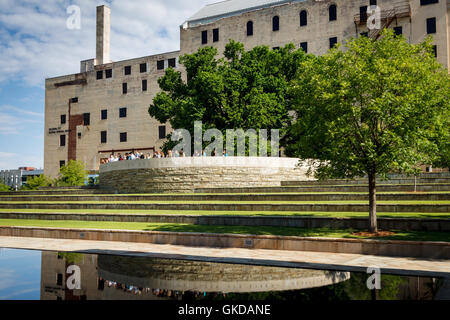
point(187, 174)
point(183, 275)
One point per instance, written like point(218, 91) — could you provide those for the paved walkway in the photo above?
point(301, 259)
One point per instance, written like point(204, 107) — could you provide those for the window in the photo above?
point(124, 88)
point(108, 73)
point(304, 46)
point(127, 70)
point(143, 67)
point(79, 135)
point(122, 112)
point(62, 163)
point(426, 2)
point(62, 141)
point(332, 12)
point(74, 100)
point(373, 2)
point(162, 132)
point(333, 42)
point(144, 85)
point(364, 34)
point(160, 65)
point(103, 137)
point(204, 36)
point(104, 114)
point(276, 23)
point(398, 31)
point(101, 284)
point(303, 18)
point(249, 28)
point(276, 48)
point(86, 119)
point(215, 35)
point(363, 13)
point(431, 25)
point(99, 75)
point(123, 137)
point(435, 51)
point(172, 63)
point(59, 279)
point(63, 119)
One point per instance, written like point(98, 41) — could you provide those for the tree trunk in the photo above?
point(372, 202)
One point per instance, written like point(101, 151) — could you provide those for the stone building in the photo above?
point(104, 108)
point(17, 178)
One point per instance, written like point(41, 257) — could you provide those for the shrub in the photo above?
point(4, 187)
point(72, 174)
point(34, 183)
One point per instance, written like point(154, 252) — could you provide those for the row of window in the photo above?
point(104, 116)
point(123, 136)
point(125, 87)
point(160, 65)
point(332, 16)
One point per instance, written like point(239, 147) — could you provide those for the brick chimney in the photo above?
point(103, 35)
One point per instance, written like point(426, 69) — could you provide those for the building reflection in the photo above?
point(106, 277)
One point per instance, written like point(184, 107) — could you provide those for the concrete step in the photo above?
point(235, 197)
point(409, 181)
point(293, 207)
point(354, 188)
point(401, 224)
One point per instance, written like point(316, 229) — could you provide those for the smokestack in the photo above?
point(103, 34)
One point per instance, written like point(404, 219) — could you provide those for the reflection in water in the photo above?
point(106, 277)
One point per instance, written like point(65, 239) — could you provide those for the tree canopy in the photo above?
point(72, 174)
point(377, 107)
point(241, 90)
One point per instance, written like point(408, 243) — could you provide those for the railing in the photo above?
point(400, 11)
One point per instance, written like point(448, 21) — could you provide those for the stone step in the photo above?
point(401, 224)
point(354, 188)
point(364, 182)
point(235, 197)
point(293, 207)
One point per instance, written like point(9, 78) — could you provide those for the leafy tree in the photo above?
point(72, 174)
point(4, 187)
point(374, 108)
point(242, 90)
point(34, 183)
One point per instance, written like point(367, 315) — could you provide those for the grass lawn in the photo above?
point(407, 202)
point(172, 227)
point(418, 215)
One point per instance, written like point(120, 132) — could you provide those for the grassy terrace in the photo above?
point(171, 227)
point(407, 202)
point(238, 213)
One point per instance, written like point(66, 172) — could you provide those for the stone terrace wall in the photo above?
point(187, 174)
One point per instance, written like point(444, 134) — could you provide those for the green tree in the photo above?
point(242, 90)
point(34, 183)
point(72, 174)
point(4, 187)
point(369, 110)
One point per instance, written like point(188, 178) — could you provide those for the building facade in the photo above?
point(16, 178)
point(104, 108)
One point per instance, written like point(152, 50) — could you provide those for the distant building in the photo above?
point(17, 178)
point(104, 108)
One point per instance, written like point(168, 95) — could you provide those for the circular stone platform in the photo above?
point(187, 174)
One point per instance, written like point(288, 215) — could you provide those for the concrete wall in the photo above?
point(413, 249)
point(187, 174)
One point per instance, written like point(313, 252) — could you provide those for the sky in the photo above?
point(35, 44)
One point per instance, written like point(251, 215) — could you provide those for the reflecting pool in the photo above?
point(34, 275)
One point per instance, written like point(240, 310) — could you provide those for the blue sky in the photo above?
point(36, 44)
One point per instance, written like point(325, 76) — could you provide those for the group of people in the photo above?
point(178, 295)
point(135, 155)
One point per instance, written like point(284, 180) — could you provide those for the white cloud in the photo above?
point(35, 43)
